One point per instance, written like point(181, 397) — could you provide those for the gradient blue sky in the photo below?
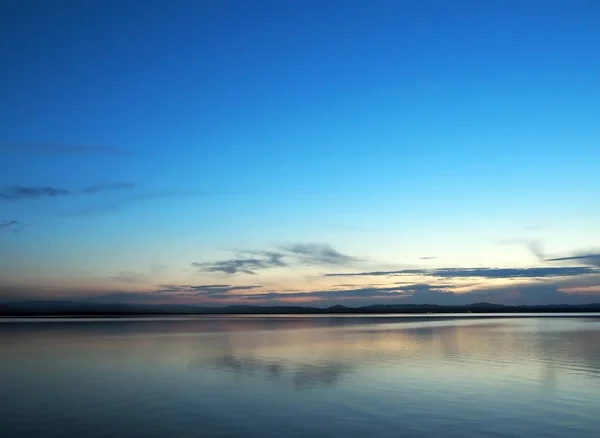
point(152, 150)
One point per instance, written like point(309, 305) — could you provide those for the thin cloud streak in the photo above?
point(129, 277)
point(11, 226)
point(489, 273)
point(315, 254)
point(59, 149)
point(24, 193)
point(117, 204)
point(590, 259)
point(579, 290)
point(248, 265)
point(91, 190)
point(250, 262)
point(18, 193)
point(212, 290)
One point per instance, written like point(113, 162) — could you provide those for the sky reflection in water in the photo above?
point(301, 376)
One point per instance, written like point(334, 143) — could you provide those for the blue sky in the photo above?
point(151, 150)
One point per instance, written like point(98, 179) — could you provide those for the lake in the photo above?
point(301, 376)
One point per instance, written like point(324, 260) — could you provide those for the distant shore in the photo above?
point(75, 309)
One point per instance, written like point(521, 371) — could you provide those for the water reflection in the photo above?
point(299, 375)
point(304, 377)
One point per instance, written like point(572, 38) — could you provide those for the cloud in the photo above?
point(250, 262)
point(16, 193)
point(212, 290)
point(129, 277)
point(109, 206)
point(489, 273)
point(533, 245)
point(157, 269)
point(429, 258)
point(562, 290)
point(423, 293)
point(590, 259)
point(91, 190)
point(420, 293)
point(21, 193)
point(11, 226)
point(58, 149)
point(248, 265)
point(117, 297)
point(8, 224)
point(315, 254)
point(221, 289)
point(360, 293)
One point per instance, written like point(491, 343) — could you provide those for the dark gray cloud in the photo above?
point(58, 149)
point(246, 265)
point(221, 289)
point(590, 259)
point(212, 290)
point(424, 293)
point(250, 262)
point(317, 254)
point(118, 297)
point(17, 193)
point(9, 223)
point(360, 293)
point(22, 193)
point(11, 226)
point(479, 272)
point(551, 292)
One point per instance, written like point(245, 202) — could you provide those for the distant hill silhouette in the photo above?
point(71, 308)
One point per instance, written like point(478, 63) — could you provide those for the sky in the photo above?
point(300, 152)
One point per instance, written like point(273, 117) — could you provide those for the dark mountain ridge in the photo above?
point(72, 308)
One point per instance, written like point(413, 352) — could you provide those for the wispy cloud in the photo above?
point(246, 265)
point(211, 290)
point(250, 262)
point(8, 224)
point(129, 277)
point(17, 193)
point(586, 258)
point(590, 257)
point(357, 293)
point(112, 205)
point(423, 293)
point(489, 273)
point(317, 254)
point(12, 226)
point(59, 149)
point(562, 290)
point(22, 193)
point(157, 269)
point(533, 245)
point(91, 190)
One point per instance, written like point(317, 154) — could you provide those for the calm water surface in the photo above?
point(252, 376)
